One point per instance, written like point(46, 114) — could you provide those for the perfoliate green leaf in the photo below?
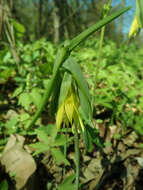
point(85, 106)
point(65, 86)
point(55, 95)
point(76, 72)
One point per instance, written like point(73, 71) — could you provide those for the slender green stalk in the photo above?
point(77, 156)
point(99, 57)
point(106, 11)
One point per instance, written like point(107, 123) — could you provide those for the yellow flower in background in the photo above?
point(68, 111)
point(134, 27)
point(138, 19)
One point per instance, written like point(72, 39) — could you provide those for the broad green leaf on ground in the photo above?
point(18, 91)
point(59, 156)
point(60, 140)
point(67, 183)
point(42, 135)
point(36, 96)
point(39, 148)
point(4, 185)
point(10, 125)
point(25, 100)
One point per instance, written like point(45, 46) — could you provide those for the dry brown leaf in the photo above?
point(17, 161)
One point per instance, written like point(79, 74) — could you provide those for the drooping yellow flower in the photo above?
point(68, 111)
point(134, 27)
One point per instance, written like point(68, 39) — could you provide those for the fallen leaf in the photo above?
point(18, 163)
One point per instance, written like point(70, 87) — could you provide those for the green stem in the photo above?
point(77, 155)
point(100, 50)
point(65, 148)
point(99, 57)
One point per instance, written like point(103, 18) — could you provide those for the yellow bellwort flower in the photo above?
point(68, 111)
point(138, 19)
point(134, 27)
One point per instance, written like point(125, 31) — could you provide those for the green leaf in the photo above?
point(40, 148)
point(17, 91)
point(42, 135)
point(24, 117)
point(25, 100)
point(59, 156)
point(65, 86)
point(12, 122)
point(107, 144)
point(20, 29)
point(85, 106)
point(60, 140)
point(82, 36)
point(67, 183)
point(46, 68)
point(36, 96)
point(117, 136)
point(87, 140)
point(55, 95)
point(76, 72)
point(52, 131)
point(4, 185)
